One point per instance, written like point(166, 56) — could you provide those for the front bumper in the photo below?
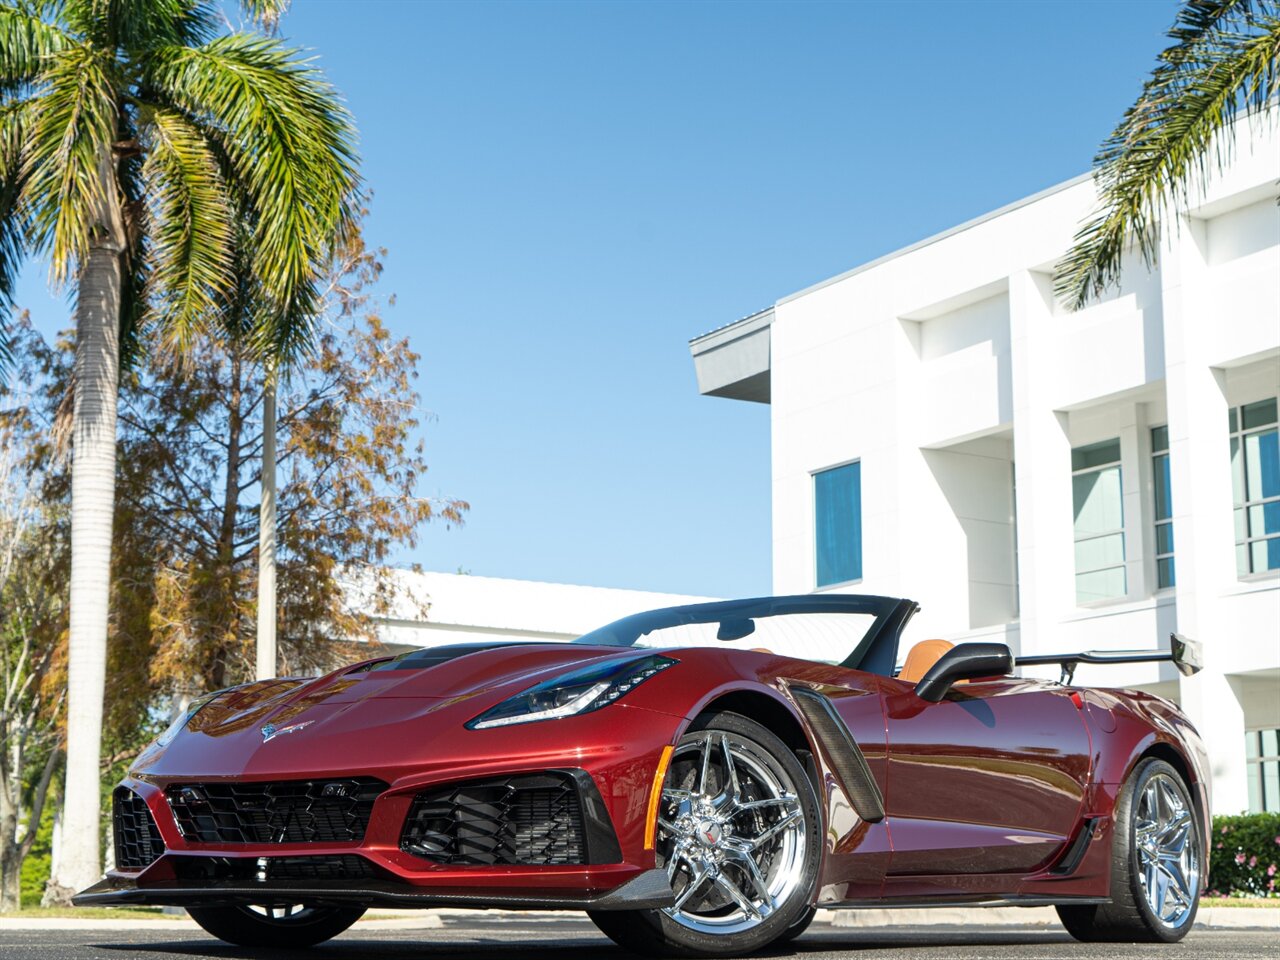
point(174, 856)
point(647, 890)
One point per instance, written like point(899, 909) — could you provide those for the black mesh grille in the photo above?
point(533, 819)
point(138, 842)
point(286, 811)
point(263, 869)
point(319, 868)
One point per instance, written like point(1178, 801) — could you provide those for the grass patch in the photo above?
point(1273, 902)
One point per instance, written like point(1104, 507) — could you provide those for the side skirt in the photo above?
point(978, 901)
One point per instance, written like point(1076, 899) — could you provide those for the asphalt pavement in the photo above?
point(503, 937)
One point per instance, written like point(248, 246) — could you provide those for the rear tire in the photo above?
point(1156, 863)
point(248, 926)
point(727, 906)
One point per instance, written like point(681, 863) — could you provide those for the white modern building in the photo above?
point(430, 609)
point(942, 429)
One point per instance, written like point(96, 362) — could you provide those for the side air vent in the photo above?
point(842, 752)
point(532, 819)
point(137, 837)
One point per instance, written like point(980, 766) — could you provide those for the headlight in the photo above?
point(194, 707)
point(578, 692)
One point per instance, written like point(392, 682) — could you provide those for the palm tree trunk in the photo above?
point(93, 488)
point(267, 536)
point(93, 475)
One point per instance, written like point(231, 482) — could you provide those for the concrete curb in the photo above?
point(1232, 918)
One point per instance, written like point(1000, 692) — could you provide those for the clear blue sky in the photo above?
point(570, 192)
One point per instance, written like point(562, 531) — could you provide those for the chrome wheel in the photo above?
point(1168, 852)
point(731, 834)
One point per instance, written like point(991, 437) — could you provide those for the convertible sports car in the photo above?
point(699, 779)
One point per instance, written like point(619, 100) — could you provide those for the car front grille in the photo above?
point(533, 819)
point(284, 811)
point(137, 837)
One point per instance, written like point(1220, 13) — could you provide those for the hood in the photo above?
point(379, 713)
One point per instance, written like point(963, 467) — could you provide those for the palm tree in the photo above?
point(135, 140)
point(1224, 61)
point(266, 637)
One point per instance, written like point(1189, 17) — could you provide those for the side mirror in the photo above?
point(965, 661)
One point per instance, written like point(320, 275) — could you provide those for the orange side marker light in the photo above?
point(655, 797)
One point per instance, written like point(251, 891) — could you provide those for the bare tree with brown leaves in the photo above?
point(33, 562)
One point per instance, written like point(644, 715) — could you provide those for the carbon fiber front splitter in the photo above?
point(649, 890)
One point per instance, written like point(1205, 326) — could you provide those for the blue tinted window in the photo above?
point(1165, 576)
point(1255, 477)
point(837, 497)
point(1164, 495)
point(1095, 454)
point(1268, 482)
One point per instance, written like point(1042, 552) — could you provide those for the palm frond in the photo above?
point(14, 127)
point(26, 45)
point(134, 25)
point(290, 144)
point(1225, 61)
point(134, 312)
point(191, 226)
point(265, 13)
point(71, 138)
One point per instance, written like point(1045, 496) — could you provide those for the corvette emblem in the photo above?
point(271, 731)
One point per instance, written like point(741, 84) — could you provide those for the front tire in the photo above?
point(740, 835)
point(1156, 862)
point(797, 928)
point(290, 926)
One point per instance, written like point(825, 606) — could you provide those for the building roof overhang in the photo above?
point(733, 361)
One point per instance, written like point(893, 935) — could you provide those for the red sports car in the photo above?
point(699, 779)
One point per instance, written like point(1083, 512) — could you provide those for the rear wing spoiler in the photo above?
point(1183, 652)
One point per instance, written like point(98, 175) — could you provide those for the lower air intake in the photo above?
point(283, 811)
point(532, 819)
point(137, 838)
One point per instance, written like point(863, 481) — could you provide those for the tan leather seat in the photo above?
point(921, 657)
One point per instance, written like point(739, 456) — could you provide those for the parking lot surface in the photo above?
point(480, 936)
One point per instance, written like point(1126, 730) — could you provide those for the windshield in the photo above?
point(833, 629)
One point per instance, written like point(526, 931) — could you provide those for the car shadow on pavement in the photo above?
point(578, 948)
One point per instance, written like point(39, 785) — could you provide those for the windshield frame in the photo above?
point(876, 652)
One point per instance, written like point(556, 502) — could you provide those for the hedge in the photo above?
point(35, 869)
point(1244, 856)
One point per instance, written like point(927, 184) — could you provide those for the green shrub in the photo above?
point(35, 869)
point(1245, 856)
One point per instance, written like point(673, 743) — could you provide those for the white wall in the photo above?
point(437, 608)
point(953, 376)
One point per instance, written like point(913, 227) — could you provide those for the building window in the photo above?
point(1262, 753)
point(1164, 507)
point(1097, 498)
point(1255, 477)
point(837, 501)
